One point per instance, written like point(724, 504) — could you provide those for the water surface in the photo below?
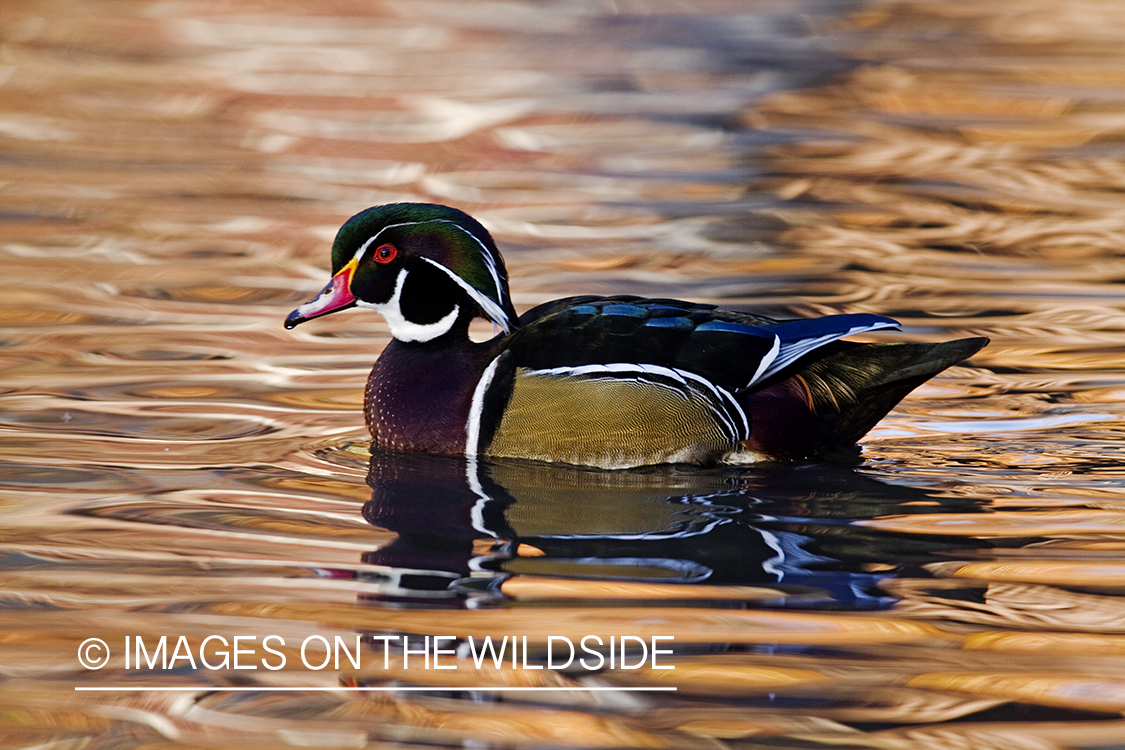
point(177, 464)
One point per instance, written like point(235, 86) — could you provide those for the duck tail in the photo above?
point(821, 408)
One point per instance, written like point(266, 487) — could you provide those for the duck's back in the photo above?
point(623, 381)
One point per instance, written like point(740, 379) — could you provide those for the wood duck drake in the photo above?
point(612, 382)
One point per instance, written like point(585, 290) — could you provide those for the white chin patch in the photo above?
point(403, 329)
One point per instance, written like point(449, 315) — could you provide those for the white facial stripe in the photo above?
point(489, 259)
point(363, 248)
point(472, 427)
point(491, 309)
point(403, 329)
point(494, 311)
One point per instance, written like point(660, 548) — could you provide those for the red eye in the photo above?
point(385, 253)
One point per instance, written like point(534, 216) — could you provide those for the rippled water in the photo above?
point(177, 464)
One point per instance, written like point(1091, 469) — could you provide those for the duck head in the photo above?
point(427, 269)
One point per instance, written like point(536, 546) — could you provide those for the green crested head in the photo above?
point(425, 267)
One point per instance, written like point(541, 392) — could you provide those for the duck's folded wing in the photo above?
point(798, 338)
point(732, 350)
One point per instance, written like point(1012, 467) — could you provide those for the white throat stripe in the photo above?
point(406, 330)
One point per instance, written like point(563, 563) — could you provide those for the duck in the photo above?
point(611, 382)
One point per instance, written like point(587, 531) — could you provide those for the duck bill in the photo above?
point(336, 296)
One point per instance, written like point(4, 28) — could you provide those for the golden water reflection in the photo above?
point(175, 463)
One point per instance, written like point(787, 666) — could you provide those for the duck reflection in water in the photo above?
point(465, 528)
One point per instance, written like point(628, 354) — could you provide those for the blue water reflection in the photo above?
point(466, 527)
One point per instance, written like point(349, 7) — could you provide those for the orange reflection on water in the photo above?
point(177, 463)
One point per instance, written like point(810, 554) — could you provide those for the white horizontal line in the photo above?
point(984, 426)
point(286, 688)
